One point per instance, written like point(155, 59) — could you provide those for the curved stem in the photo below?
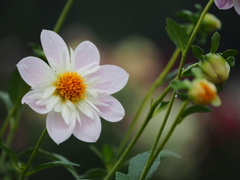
point(63, 16)
point(152, 89)
point(33, 153)
point(149, 164)
point(134, 140)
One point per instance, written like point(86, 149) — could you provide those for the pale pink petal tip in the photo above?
point(57, 128)
point(224, 4)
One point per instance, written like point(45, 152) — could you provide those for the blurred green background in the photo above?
point(130, 34)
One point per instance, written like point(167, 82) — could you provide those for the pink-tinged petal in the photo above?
point(86, 53)
point(89, 129)
point(57, 128)
point(111, 79)
point(34, 71)
point(41, 109)
point(236, 4)
point(224, 4)
point(54, 48)
point(111, 109)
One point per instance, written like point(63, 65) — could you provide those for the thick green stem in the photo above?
point(152, 89)
point(33, 153)
point(149, 164)
point(63, 15)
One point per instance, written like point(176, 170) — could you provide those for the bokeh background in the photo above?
point(130, 34)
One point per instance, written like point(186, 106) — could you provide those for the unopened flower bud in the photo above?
point(215, 68)
point(203, 92)
point(211, 23)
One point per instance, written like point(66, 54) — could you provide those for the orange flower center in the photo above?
point(208, 93)
point(71, 86)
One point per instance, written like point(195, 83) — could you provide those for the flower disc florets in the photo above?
point(71, 86)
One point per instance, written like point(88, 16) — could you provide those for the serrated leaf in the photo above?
point(166, 154)
point(95, 173)
point(231, 61)
point(5, 98)
point(197, 52)
point(163, 105)
point(194, 109)
point(51, 164)
point(229, 52)
point(138, 163)
point(215, 41)
point(10, 153)
point(177, 34)
point(121, 176)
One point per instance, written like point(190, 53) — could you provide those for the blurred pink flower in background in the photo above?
point(227, 4)
point(75, 90)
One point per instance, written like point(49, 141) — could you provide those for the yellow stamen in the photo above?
point(71, 86)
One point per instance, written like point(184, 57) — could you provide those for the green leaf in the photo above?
point(229, 52)
point(231, 61)
point(177, 84)
point(163, 105)
point(188, 71)
point(194, 109)
point(51, 164)
point(197, 52)
point(215, 42)
point(4, 97)
point(121, 176)
point(108, 152)
point(177, 34)
point(11, 154)
point(17, 87)
point(95, 173)
point(54, 157)
point(166, 154)
point(185, 14)
point(138, 163)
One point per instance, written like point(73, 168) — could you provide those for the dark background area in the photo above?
point(217, 155)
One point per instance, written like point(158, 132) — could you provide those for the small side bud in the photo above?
point(203, 92)
point(215, 68)
point(211, 23)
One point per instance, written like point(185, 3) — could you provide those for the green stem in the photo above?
point(63, 16)
point(33, 153)
point(162, 126)
point(149, 164)
point(152, 89)
point(134, 140)
point(192, 37)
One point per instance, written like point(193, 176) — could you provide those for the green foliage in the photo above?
point(215, 41)
point(188, 71)
point(163, 105)
point(121, 176)
point(138, 163)
point(231, 61)
point(11, 154)
point(229, 52)
point(194, 109)
point(177, 85)
point(5, 98)
point(56, 160)
point(96, 173)
point(17, 88)
point(197, 52)
point(177, 34)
